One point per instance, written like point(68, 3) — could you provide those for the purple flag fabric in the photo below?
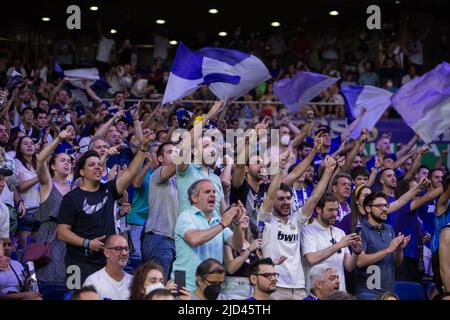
point(298, 91)
point(424, 102)
point(374, 100)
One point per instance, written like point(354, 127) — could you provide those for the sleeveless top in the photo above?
point(244, 270)
point(49, 209)
point(441, 222)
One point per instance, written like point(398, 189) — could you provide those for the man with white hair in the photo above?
point(324, 281)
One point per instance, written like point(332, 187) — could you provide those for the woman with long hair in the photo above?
point(28, 188)
point(150, 276)
point(237, 264)
point(53, 172)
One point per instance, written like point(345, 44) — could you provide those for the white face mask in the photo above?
point(285, 140)
point(152, 287)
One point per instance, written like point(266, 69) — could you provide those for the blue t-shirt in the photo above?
point(371, 163)
point(139, 207)
point(303, 194)
point(408, 224)
point(427, 214)
point(391, 218)
point(320, 156)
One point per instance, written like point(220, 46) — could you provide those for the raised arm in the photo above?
point(346, 133)
point(408, 146)
point(274, 186)
point(400, 161)
point(302, 166)
point(125, 179)
point(91, 93)
point(320, 188)
point(187, 143)
point(416, 164)
point(103, 130)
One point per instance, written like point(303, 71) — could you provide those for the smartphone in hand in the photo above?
point(180, 280)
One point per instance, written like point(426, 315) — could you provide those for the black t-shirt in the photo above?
point(252, 201)
point(91, 215)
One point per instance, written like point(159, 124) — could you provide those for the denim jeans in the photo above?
point(135, 232)
point(159, 249)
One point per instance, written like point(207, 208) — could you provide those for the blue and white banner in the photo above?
point(374, 100)
point(228, 73)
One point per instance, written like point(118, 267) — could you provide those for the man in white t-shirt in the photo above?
point(322, 243)
point(111, 282)
point(282, 230)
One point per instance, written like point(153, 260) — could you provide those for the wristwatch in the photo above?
point(144, 149)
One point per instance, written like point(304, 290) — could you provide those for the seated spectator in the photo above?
point(86, 293)
point(263, 279)
point(13, 284)
point(210, 276)
point(160, 294)
point(324, 281)
point(112, 282)
point(388, 295)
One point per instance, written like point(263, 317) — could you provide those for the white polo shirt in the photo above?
point(107, 287)
point(280, 239)
point(316, 237)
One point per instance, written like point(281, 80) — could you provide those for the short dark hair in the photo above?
point(117, 92)
point(359, 171)
point(304, 145)
point(384, 170)
point(25, 109)
point(285, 187)
point(160, 150)
point(446, 182)
point(76, 295)
point(370, 198)
point(206, 267)
point(424, 166)
point(82, 161)
point(327, 197)
point(254, 267)
point(39, 111)
point(430, 174)
point(339, 176)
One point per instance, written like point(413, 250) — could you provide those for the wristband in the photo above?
point(222, 225)
point(144, 149)
point(357, 253)
point(86, 243)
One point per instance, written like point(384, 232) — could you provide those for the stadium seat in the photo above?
point(53, 290)
point(410, 290)
point(132, 265)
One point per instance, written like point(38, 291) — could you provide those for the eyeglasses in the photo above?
point(381, 205)
point(119, 249)
point(268, 275)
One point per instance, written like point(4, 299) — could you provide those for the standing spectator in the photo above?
point(281, 236)
point(380, 247)
point(200, 232)
point(111, 282)
point(105, 49)
point(442, 221)
point(27, 125)
point(86, 215)
point(342, 188)
point(158, 238)
point(415, 48)
point(263, 279)
point(369, 77)
point(324, 280)
point(444, 258)
point(161, 46)
point(18, 67)
point(28, 188)
point(319, 249)
point(238, 264)
point(52, 175)
point(276, 45)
